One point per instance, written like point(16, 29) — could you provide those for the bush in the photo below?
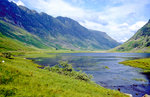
point(83, 76)
point(7, 92)
point(6, 55)
point(134, 45)
point(66, 69)
point(148, 44)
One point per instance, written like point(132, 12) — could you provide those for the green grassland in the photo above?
point(21, 77)
point(139, 63)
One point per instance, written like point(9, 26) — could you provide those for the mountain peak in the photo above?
point(59, 32)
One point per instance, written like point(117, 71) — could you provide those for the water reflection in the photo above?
point(106, 70)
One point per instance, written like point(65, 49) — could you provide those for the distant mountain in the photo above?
point(47, 31)
point(140, 42)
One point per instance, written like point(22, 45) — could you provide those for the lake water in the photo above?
point(106, 70)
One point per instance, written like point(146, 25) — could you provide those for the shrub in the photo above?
point(7, 92)
point(134, 45)
point(148, 44)
point(121, 48)
point(66, 69)
point(6, 55)
point(83, 76)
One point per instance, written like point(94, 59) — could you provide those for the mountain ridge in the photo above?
point(60, 32)
point(139, 42)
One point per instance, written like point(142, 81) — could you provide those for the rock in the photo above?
point(128, 95)
point(146, 95)
point(3, 61)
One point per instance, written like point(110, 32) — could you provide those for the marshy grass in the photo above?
point(137, 79)
point(139, 63)
point(22, 77)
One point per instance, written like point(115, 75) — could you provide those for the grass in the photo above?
point(24, 37)
point(8, 44)
point(139, 63)
point(22, 77)
point(45, 53)
point(137, 79)
point(140, 45)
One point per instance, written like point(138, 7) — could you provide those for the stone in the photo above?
point(128, 95)
point(146, 95)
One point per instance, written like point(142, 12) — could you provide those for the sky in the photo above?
point(120, 19)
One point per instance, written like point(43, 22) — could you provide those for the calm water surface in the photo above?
point(116, 76)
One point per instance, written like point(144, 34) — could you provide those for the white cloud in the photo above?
point(124, 39)
point(120, 32)
point(137, 25)
point(19, 2)
point(78, 1)
point(57, 8)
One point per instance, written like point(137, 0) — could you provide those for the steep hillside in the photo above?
point(8, 44)
point(140, 42)
point(59, 32)
point(14, 38)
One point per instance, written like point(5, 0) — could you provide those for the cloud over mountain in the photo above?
point(101, 15)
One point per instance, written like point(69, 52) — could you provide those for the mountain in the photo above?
point(45, 31)
point(140, 42)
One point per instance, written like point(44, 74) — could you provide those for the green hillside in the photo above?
point(9, 41)
point(58, 33)
point(16, 33)
point(140, 42)
point(8, 44)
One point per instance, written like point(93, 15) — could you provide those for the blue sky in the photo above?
point(120, 19)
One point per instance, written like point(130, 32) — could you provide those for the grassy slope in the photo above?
point(16, 33)
point(140, 63)
point(8, 44)
point(21, 77)
point(132, 45)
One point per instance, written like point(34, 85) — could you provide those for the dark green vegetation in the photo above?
point(66, 69)
point(139, 63)
point(21, 77)
point(140, 42)
point(44, 31)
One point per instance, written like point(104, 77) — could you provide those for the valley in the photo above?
point(55, 56)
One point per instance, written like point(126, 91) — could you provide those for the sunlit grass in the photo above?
point(21, 77)
point(139, 63)
point(137, 79)
point(45, 53)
